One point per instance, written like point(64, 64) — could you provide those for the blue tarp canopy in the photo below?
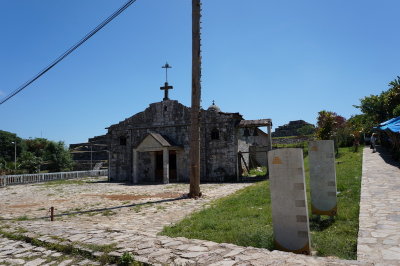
point(392, 125)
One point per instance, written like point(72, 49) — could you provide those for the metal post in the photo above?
point(15, 154)
point(194, 152)
point(52, 214)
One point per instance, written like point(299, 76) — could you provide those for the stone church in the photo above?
point(153, 145)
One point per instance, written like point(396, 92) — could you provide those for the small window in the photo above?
point(246, 132)
point(122, 141)
point(165, 108)
point(215, 134)
point(255, 132)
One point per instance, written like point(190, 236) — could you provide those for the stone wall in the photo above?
point(219, 156)
point(86, 155)
point(294, 140)
point(253, 143)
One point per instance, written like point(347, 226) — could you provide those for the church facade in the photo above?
point(153, 146)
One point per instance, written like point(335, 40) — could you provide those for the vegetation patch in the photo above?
point(160, 208)
point(302, 145)
point(244, 218)
point(258, 171)
point(22, 218)
point(126, 259)
point(100, 248)
point(108, 213)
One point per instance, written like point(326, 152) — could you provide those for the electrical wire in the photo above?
point(69, 51)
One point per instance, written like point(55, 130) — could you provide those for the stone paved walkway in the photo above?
point(20, 253)
point(162, 250)
point(379, 233)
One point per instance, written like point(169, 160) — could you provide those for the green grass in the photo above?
point(22, 218)
point(108, 213)
point(258, 171)
point(160, 208)
point(100, 248)
point(340, 238)
point(303, 145)
point(244, 218)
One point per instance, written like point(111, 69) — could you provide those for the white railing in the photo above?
point(7, 180)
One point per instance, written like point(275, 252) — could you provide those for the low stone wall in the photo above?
point(293, 140)
point(8, 180)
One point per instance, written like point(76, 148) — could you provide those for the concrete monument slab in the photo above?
point(322, 177)
point(289, 200)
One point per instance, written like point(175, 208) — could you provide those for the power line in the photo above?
point(69, 51)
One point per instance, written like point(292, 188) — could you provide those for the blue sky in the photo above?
point(284, 60)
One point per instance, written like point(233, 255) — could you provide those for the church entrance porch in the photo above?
point(159, 168)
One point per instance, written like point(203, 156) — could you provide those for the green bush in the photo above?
point(126, 259)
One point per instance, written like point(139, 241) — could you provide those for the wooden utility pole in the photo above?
point(196, 96)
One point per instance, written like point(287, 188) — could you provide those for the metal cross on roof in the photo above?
point(165, 89)
point(166, 86)
point(166, 66)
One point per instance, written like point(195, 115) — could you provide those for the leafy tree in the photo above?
point(33, 153)
point(37, 146)
point(30, 162)
point(396, 111)
point(7, 147)
point(58, 157)
point(384, 106)
point(328, 123)
point(361, 122)
point(392, 96)
point(306, 130)
point(374, 107)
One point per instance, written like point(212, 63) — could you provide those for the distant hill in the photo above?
point(294, 128)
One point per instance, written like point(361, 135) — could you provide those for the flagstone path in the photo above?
point(379, 233)
point(14, 252)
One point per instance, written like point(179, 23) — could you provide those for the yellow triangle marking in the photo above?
point(277, 160)
point(314, 148)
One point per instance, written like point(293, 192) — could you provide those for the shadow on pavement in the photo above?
point(386, 156)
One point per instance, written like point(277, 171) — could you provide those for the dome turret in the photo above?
point(214, 108)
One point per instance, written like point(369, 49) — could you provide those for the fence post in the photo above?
point(52, 214)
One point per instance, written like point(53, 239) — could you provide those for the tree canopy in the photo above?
point(328, 124)
point(33, 155)
point(384, 106)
